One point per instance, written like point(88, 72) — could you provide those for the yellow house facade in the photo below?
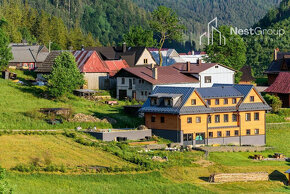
point(222, 114)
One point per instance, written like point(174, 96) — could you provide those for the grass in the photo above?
point(22, 149)
point(282, 115)
point(17, 102)
point(129, 183)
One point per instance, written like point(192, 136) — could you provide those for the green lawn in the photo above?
point(124, 183)
point(19, 107)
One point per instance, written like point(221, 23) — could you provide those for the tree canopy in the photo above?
point(231, 54)
point(137, 36)
point(65, 76)
point(166, 24)
point(5, 51)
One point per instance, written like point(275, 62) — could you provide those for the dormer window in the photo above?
point(167, 102)
point(153, 101)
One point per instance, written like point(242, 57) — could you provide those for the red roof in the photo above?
point(91, 62)
point(281, 84)
point(166, 75)
point(115, 65)
point(194, 67)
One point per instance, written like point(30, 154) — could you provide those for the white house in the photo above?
point(138, 82)
point(193, 56)
point(169, 56)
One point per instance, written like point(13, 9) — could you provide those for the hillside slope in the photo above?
point(261, 47)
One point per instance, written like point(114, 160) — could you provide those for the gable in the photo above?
point(220, 69)
point(93, 64)
point(199, 100)
point(145, 55)
point(257, 97)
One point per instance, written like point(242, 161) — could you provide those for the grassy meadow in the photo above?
point(19, 106)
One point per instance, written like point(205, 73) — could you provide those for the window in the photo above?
point(217, 101)
point(162, 119)
point(142, 93)
point(256, 116)
point(226, 101)
point(256, 131)
point(234, 101)
point(228, 133)
point(210, 134)
point(193, 102)
point(252, 98)
point(143, 81)
point(226, 118)
point(217, 118)
point(207, 79)
point(134, 81)
point(189, 120)
point(145, 61)
point(123, 80)
point(236, 132)
point(198, 119)
point(208, 102)
point(153, 118)
point(219, 133)
point(248, 116)
point(153, 101)
point(140, 81)
point(234, 117)
point(25, 65)
point(187, 137)
point(216, 66)
point(167, 102)
point(248, 131)
point(145, 93)
point(209, 119)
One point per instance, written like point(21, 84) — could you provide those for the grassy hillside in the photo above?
point(19, 107)
point(23, 149)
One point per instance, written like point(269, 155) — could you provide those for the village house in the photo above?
point(97, 72)
point(222, 114)
point(138, 82)
point(27, 56)
point(169, 56)
point(281, 88)
point(281, 63)
point(134, 56)
point(193, 56)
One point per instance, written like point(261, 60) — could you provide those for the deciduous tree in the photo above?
point(137, 36)
point(5, 51)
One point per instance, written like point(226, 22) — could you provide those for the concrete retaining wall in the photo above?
point(129, 134)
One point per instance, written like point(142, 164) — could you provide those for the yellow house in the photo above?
point(222, 114)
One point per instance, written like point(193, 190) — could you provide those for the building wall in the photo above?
point(172, 122)
point(96, 80)
point(194, 96)
point(142, 88)
point(253, 124)
point(254, 93)
point(221, 102)
point(220, 75)
point(129, 134)
point(194, 85)
point(145, 55)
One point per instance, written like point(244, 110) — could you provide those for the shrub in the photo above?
point(274, 102)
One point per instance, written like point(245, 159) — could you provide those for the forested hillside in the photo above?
point(260, 49)
point(195, 14)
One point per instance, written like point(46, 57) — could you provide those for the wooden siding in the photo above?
point(199, 101)
point(221, 104)
point(254, 93)
point(171, 122)
point(253, 124)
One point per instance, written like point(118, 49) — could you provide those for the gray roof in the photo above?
point(219, 91)
point(254, 106)
point(23, 53)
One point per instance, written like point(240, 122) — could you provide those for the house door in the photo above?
point(122, 94)
point(134, 94)
point(200, 138)
point(188, 139)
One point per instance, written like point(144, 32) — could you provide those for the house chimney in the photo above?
point(275, 54)
point(199, 62)
point(188, 66)
point(83, 47)
point(124, 47)
point(155, 73)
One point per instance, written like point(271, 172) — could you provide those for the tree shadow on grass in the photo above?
point(204, 178)
point(38, 92)
point(278, 176)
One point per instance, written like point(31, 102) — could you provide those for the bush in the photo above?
point(4, 187)
point(274, 102)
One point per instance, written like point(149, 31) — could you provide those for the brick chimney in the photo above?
point(124, 48)
point(188, 66)
point(155, 73)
